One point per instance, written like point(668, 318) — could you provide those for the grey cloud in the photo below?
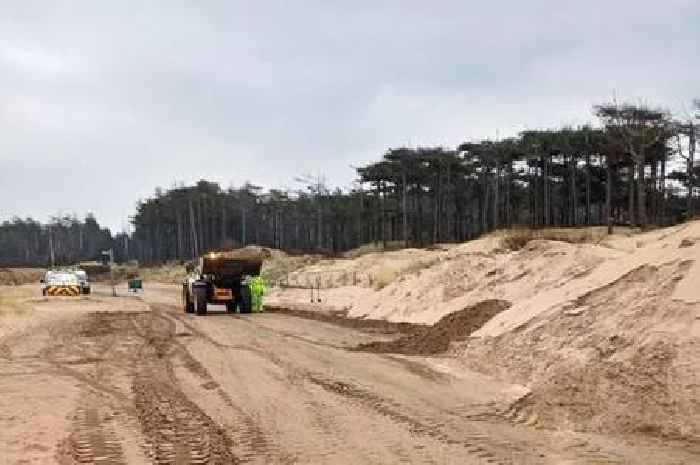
point(132, 95)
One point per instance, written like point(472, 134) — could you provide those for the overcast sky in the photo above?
point(102, 101)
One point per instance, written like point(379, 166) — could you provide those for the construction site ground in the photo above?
point(546, 352)
point(133, 379)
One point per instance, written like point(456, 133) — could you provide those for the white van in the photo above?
point(60, 283)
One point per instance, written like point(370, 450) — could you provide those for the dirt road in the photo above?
point(131, 380)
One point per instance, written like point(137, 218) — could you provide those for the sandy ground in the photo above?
point(133, 379)
point(606, 335)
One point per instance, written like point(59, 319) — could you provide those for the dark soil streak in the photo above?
point(436, 339)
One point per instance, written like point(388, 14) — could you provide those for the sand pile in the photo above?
point(606, 335)
point(624, 358)
point(462, 278)
point(422, 286)
point(436, 339)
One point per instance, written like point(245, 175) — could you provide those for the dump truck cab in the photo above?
point(221, 278)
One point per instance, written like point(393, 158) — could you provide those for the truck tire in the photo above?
point(200, 304)
point(187, 303)
point(231, 307)
point(199, 294)
point(245, 303)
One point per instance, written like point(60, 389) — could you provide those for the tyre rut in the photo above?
point(122, 362)
point(176, 429)
point(477, 445)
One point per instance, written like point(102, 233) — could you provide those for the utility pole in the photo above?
point(109, 254)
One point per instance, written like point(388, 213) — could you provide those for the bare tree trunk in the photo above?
point(573, 207)
point(178, 219)
point(436, 210)
point(243, 227)
point(485, 206)
point(691, 178)
point(223, 226)
point(280, 226)
point(362, 214)
point(419, 216)
point(404, 207)
point(654, 201)
point(319, 222)
point(496, 220)
point(193, 231)
point(588, 189)
point(608, 195)
point(545, 188)
point(662, 191)
point(201, 246)
point(631, 196)
point(533, 196)
point(509, 175)
point(52, 254)
point(641, 192)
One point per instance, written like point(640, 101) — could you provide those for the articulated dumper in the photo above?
point(222, 278)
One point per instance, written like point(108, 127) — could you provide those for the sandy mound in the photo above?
point(422, 286)
point(437, 338)
point(606, 335)
point(624, 358)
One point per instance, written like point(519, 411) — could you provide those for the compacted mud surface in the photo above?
point(121, 380)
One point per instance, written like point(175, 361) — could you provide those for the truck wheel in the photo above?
point(231, 307)
point(245, 302)
point(188, 305)
point(200, 303)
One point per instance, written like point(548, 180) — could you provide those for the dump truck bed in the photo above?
point(230, 267)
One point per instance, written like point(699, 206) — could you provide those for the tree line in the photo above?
point(62, 241)
point(636, 167)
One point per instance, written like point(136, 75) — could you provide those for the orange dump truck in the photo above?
point(222, 278)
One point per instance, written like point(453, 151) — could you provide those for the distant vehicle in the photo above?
point(220, 278)
point(60, 283)
point(84, 282)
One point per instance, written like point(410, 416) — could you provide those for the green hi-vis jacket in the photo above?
point(257, 291)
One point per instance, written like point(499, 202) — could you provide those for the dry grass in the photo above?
point(168, 273)
point(387, 274)
point(15, 276)
point(281, 264)
point(373, 247)
point(516, 239)
point(383, 277)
